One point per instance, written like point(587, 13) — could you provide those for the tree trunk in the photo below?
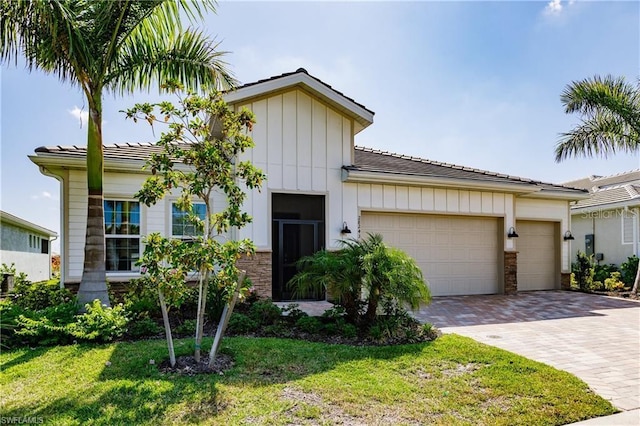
point(634, 290)
point(94, 281)
point(224, 320)
point(167, 329)
point(202, 304)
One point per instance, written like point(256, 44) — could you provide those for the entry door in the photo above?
point(294, 239)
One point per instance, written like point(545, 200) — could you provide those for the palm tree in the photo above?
point(109, 46)
point(611, 118)
point(611, 121)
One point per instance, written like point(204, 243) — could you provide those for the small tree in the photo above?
point(200, 156)
point(583, 270)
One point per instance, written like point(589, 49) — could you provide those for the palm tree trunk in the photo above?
point(94, 282)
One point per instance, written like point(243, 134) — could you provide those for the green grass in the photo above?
point(453, 380)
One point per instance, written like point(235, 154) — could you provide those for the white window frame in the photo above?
point(132, 268)
point(183, 236)
point(626, 218)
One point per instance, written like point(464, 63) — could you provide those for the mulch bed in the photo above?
point(187, 366)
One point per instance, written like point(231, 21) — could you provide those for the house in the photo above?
point(472, 231)
point(606, 224)
point(26, 245)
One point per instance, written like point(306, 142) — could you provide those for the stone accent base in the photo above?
point(258, 269)
point(510, 272)
point(565, 281)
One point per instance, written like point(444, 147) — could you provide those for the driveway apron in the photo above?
point(596, 338)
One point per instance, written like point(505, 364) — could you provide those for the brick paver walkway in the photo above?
point(597, 338)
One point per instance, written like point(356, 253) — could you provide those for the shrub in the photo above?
point(629, 269)
point(583, 270)
point(264, 312)
point(602, 272)
point(348, 330)
point(47, 326)
point(596, 286)
point(40, 295)
point(100, 323)
point(9, 313)
point(276, 330)
point(309, 324)
point(614, 283)
point(144, 327)
point(241, 324)
point(294, 312)
point(187, 327)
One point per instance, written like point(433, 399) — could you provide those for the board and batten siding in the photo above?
point(547, 210)
point(301, 145)
point(408, 199)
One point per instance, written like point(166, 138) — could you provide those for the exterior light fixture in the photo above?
point(345, 229)
point(568, 236)
point(512, 233)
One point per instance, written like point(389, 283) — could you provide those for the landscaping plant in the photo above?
point(200, 157)
point(367, 269)
point(583, 270)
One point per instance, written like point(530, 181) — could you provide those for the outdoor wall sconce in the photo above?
point(512, 233)
point(568, 236)
point(345, 229)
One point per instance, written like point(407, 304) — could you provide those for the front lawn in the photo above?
point(453, 380)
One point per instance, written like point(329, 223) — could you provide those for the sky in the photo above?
point(471, 83)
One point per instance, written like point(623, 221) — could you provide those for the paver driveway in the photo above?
point(597, 338)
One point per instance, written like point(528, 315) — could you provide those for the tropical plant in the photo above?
point(108, 46)
point(629, 270)
point(610, 109)
point(366, 268)
point(583, 270)
point(199, 157)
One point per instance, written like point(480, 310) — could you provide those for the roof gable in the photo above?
point(362, 116)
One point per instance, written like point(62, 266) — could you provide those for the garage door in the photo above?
point(537, 256)
point(458, 254)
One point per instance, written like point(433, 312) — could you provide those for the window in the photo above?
point(122, 234)
point(180, 225)
point(627, 228)
point(45, 246)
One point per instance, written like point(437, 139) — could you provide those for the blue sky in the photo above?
point(470, 83)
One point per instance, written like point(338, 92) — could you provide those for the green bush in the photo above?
point(596, 286)
point(348, 330)
point(187, 327)
point(309, 324)
point(40, 295)
point(614, 283)
point(293, 312)
point(264, 312)
point(583, 270)
point(602, 272)
point(629, 269)
point(100, 323)
point(9, 313)
point(49, 326)
point(143, 327)
point(241, 324)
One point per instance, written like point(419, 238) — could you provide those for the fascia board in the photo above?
point(79, 163)
point(16, 221)
point(365, 116)
point(398, 179)
point(557, 195)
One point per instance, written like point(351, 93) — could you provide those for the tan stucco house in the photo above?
point(458, 222)
point(605, 225)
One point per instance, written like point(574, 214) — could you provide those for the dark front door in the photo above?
point(297, 231)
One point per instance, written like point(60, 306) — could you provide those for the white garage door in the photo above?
point(458, 254)
point(537, 256)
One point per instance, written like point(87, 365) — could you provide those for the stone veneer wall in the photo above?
point(565, 281)
point(258, 269)
point(510, 272)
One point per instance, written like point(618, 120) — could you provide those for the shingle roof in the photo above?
point(121, 151)
point(600, 182)
point(605, 190)
point(302, 70)
point(367, 159)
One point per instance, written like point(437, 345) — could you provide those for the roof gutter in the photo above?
point(612, 206)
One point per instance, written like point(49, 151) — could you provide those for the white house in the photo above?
point(606, 224)
point(26, 245)
point(457, 222)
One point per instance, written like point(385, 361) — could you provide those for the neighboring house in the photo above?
point(26, 245)
point(606, 223)
point(455, 221)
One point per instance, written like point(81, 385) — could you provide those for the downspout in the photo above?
point(63, 263)
point(636, 214)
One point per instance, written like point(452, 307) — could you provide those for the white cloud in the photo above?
point(554, 7)
point(44, 195)
point(80, 114)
